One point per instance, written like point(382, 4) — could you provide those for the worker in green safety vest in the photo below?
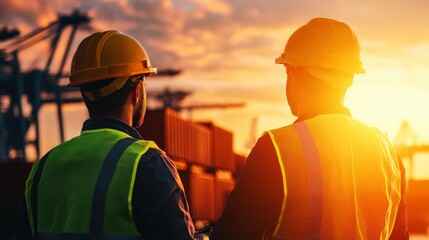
point(107, 183)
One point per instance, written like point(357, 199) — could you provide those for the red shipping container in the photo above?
point(222, 148)
point(182, 140)
point(240, 160)
point(201, 147)
point(202, 203)
point(154, 127)
point(223, 187)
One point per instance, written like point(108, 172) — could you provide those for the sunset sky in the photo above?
point(227, 48)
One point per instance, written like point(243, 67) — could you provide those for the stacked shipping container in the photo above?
point(182, 140)
point(200, 151)
point(239, 163)
point(224, 184)
point(202, 196)
point(222, 143)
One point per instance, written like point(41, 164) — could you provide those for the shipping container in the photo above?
point(200, 139)
point(240, 160)
point(224, 184)
point(202, 195)
point(154, 127)
point(182, 140)
point(222, 148)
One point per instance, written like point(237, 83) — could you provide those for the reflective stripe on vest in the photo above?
point(86, 218)
point(282, 169)
point(103, 182)
point(314, 181)
point(315, 188)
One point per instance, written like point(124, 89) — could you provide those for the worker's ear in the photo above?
point(135, 94)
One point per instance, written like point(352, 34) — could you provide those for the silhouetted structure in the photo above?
point(6, 33)
point(38, 85)
point(408, 143)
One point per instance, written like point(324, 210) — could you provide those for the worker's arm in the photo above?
point(254, 205)
point(160, 208)
point(400, 230)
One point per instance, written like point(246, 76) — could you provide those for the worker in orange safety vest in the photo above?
point(327, 175)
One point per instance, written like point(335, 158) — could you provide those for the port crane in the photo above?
point(408, 144)
point(36, 86)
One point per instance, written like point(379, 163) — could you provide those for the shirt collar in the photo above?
point(105, 122)
point(324, 110)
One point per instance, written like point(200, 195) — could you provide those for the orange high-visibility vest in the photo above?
point(341, 180)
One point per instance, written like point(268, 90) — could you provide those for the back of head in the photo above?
point(327, 49)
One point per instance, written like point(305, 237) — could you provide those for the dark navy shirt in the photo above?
point(160, 208)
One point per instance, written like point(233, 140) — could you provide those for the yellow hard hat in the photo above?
point(106, 55)
point(323, 43)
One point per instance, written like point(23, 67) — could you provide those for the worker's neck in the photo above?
point(121, 117)
point(313, 107)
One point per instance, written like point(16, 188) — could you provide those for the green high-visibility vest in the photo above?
point(83, 188)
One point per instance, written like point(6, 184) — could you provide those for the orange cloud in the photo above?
point(213, 6)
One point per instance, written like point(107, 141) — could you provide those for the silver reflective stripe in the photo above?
point(315, 183)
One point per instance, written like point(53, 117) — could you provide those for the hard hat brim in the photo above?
point(101, 73)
